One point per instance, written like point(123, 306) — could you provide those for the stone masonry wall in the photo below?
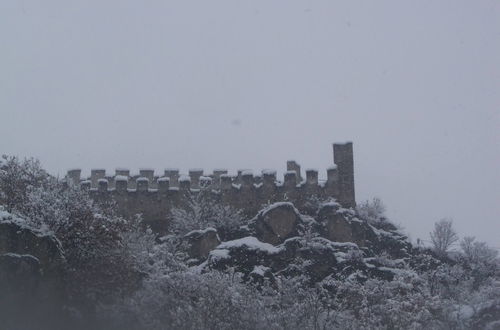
point(153, 196)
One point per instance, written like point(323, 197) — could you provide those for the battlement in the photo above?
point(152, 193)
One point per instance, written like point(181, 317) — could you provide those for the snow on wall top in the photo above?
point(339, 182)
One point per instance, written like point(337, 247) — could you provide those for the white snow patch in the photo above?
point(340, 256)
point(219, 254)
point(336, 244)
point(331, 204)
point(184, 178)
point(251, 243)
point(343, 210)
point(268, 172)
point(279, 204)
point(259, 270)
point(380, 232)
point(199, 268)
point(15, 255)
point(10, 218)
point(200, 231)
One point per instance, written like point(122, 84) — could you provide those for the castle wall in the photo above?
point(153, 196)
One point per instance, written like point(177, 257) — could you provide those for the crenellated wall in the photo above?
point(153, 195)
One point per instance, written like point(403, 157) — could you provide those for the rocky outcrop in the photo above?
point(201, 242)
point(316, 259)
point(31, 290)
point(244, 254)
point(334, 244)
point(340, 225)
point(276, 223)
point(16, 237)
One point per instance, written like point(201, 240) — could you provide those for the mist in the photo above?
point(237, 84)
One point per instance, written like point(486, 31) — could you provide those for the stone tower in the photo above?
point(344, 159)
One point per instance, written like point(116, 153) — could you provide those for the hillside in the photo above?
point(68, 261)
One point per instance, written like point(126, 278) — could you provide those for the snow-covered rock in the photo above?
point(17, 237)
point(31, 285)
point(337, 245)
point(339, 225)
point(201, 242)
point(277, 222)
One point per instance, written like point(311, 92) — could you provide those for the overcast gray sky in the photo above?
point(249, 84)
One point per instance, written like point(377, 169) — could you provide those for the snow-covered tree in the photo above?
point(373, 211)
point(18, 178)
point(201, 212)
point(476, 252)
point(92, 239)
point(97, 264)
point(443, 236)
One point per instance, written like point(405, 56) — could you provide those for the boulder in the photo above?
point(31, 289)
point(277, 222)
point(260, 274)
point(340, 225)
point(201, 242)
point(315, 258)
point(244, 255)
point(16, 237)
